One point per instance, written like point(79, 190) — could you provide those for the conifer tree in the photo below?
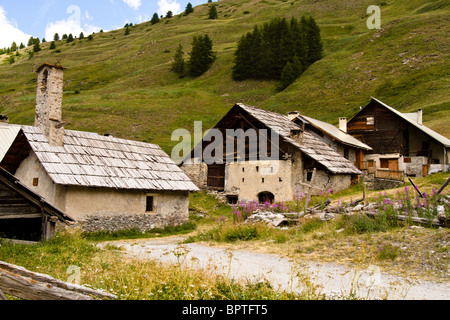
point(56, 37)
point(248, 56)
point(36, 47)
point(189, 9)
point(212, 13)
point(169, 14)
point(202, 56)
point(178, 63)
point(81, 37)
point(155, 19)
point(53, 45)
point(70, 38)
point(313, 40)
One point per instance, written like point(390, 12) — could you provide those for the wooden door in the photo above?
point(424, 170)
point(393, 164)
point(216, 177)
point(359, 159)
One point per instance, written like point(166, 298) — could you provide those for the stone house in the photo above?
point(277, 165)
point(401, 144)
point(337, 138)
point(105, 183)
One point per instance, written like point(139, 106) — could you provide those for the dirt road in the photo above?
point(333, 280)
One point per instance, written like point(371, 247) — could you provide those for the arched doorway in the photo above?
point(266, 196)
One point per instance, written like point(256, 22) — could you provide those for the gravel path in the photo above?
point(333, 280)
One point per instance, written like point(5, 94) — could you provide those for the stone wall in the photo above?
point(197, 172)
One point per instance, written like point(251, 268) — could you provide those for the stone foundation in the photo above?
point(125, 222)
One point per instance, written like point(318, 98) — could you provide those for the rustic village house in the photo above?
point(401, 144)
point(301, 158)
point(105, 183)
point(337, 138)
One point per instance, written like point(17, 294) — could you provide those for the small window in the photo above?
point(150, 204)
point(243, 180)
point(243, 169)
point(35, 182)
point(257, 169)
point(263, 180)
point(309, 176)
point(384, 163)
point(370, 121)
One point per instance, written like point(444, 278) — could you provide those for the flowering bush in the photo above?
point(405, 203)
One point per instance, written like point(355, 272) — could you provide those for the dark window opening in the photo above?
point(266, 197)
point(232, 199)
point(347, 153)
point(309, 176)
point(21, 229)
point(150, 204)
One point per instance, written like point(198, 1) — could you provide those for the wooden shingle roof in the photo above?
point(313, 147)
point(92, 160)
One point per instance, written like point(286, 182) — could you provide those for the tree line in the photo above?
point(278, 50)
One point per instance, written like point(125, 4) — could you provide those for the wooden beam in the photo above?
point(23, 284)
point(21, 216)
point(443, 186)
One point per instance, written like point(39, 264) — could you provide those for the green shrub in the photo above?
point(241, 233)
point(388, 251)
point(363, 224)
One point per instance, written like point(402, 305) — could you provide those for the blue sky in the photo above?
point(20, 19)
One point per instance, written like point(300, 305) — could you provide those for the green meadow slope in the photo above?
point(126, 88)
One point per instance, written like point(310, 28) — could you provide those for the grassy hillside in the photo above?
point(126, 87)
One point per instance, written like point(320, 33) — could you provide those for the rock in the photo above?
point(359, 207)
point(327, 216)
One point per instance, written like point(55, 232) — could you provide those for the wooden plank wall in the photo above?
point(14, 206)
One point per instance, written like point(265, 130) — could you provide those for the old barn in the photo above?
point(301, 159)
point(402, 144)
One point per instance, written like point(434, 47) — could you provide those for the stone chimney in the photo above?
point(343, 124)
point(49, 103)
point(297, 135)
point(420, 116)
point(293, 115)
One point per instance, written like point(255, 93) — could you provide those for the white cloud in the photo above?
point(10, 32)
point(168, 5)
point(134, 4)
point(72, 25)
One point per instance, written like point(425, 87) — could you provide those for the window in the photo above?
point(309, 176)
point(384, 163)
point(370, 121)
point(150, 204)
point(35, 182)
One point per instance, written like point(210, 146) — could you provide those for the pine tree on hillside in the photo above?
point(36, 47)
point(155, 19)
point(52, 45)
point(202, 56)
point(81, 37)
point(212, 13)
point(248, 56)
point(266, 52)
point(313, 40)
point(56, 37)
point(70, 38)
point(178, 63)
point(189, 9)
